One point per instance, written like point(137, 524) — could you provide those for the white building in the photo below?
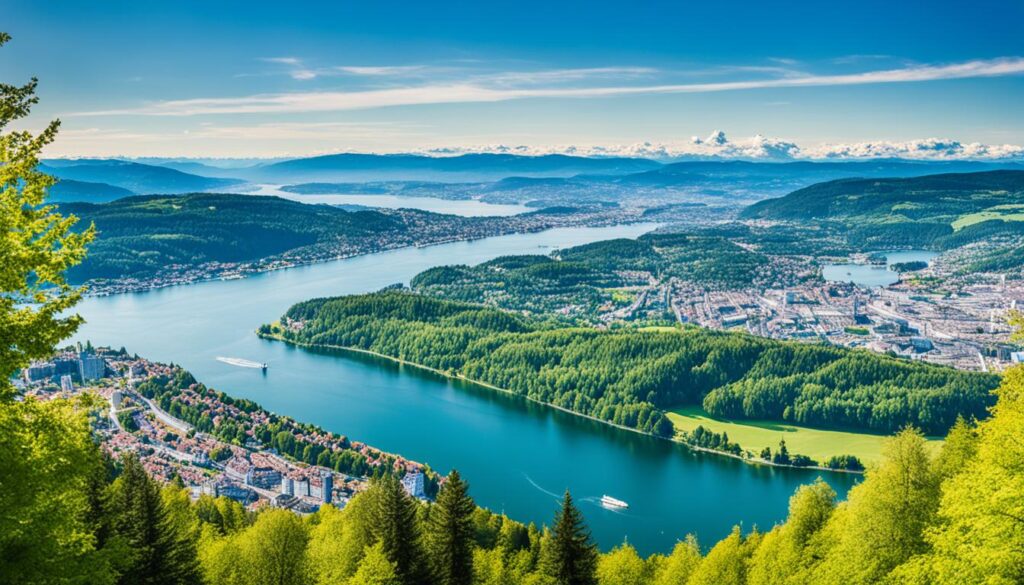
point(414, 486)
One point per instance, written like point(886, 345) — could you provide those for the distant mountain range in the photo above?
point(554, 179)
point(467, 167)
point(67, 190)
point(132, 176)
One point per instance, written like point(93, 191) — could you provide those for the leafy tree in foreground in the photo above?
point(727, 562)
point(375, 569)
point(979, 536)
point(622, 566)
point(37, 246)
point(679, 565)
point(48, 512)
point(570, 556)
point(274, 548)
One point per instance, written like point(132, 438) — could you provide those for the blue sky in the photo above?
point(255, 78)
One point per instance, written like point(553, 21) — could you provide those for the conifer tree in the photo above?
point(397, 529)
point(570, 556)
point(451, 533)
point(158, 555)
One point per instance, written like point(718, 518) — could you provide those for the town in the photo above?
point(171, 449)
point(933, 315)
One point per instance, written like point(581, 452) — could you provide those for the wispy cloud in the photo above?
point(848, 59)
point(298, 69)
point(556, 76)
point(483, 90)
point(294, 66)
point(282, 60)
point(381, 70)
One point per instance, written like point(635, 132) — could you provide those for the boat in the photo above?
point(242, 363)
point(610, 502)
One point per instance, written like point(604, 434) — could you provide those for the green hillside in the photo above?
point(591, 275)
point(140, 235)
point(937, 211)
point(631, 376)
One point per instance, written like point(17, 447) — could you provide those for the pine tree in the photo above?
point(158, 554)
point(397, 529)
point(451, 533)
point(570, 556)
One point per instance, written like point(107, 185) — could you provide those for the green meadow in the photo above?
point(753, 435)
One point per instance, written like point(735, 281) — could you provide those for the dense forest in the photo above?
point(629, 376)
point(950, 519)
point(585, 276)
point(140, 235)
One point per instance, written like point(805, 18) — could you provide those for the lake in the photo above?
point(518, 456)
point(875, 275)
point(463, 207)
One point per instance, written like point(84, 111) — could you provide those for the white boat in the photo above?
point(242, 363)
point(610, 502)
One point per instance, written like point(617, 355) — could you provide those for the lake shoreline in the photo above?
point(402, 362)
point(208, 272)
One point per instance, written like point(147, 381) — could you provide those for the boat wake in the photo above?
point(242, 363)
point(595, 500)
point(542, 490)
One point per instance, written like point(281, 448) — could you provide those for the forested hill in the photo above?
point(631, 376)
point(936, 211)
point(931, 197)
point(586, 278)
point(141, 235)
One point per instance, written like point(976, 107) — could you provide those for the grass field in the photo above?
point(1003, 212)
point(815, 443)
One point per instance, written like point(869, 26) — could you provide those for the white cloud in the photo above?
point(759, 148)
point(481, 90)
point(520, 78)
point(925, 149)
point(310, 138)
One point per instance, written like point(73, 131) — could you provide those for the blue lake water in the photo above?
point(518, 456)
point(875, 275)
point(463, 207)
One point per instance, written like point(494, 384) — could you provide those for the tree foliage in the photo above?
point(631, 376)
point(37, 244)
point(570, 556)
